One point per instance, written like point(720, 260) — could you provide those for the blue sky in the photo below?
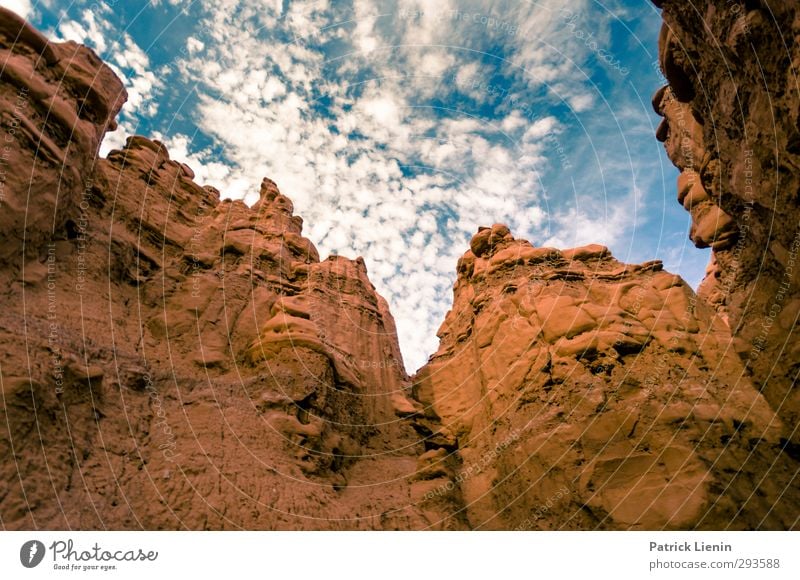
point(397, 128)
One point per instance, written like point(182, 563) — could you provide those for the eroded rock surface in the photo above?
point(584, 393)
point(56, 103)
point(173, 360)
point(732, 126)
point(186, 362)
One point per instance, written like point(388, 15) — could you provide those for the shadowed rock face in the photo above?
point(731, 112)
point(585, 393)
point(171, 360)
point(57, 101)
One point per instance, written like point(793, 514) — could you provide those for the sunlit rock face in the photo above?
point(174, 360)
point(731, 114)
point(190, 362)
point(596, 394)
point(171, 360)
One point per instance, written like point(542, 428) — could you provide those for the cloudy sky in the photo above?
point(397, 128)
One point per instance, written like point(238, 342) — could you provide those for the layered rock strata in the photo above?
point(583, 393)
point(732, 126)
point(173, 360)
point(56, 102)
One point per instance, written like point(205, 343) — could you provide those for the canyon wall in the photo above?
point(583, 393)
point(58, 100)
point(171, 360)
point(732, 126)
point(174, 360)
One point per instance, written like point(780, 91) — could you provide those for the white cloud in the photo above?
point(132, 65)
point(581, 103)
point(593, 219)
point(194, 45)
point(383, 110)
point(345, 174)
point(414, 129)
point(22, 7)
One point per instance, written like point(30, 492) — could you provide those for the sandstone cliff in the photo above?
point(58, 100)
point(174, 360)
point(583, 393)
point(171, 360)
point(732, 126)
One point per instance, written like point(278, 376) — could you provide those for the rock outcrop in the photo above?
point(174, 360)
point(57, 102)
point(186, 362)
point(732, 126)
point(582, 393)
point(171, 360)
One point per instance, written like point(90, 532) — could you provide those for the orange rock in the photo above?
point(741, 198)
point(603, 383)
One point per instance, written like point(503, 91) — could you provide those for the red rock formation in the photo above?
point(215, 374)
point(57, 100)
point(171, 361)
point(584, 393)
point(732, 114)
